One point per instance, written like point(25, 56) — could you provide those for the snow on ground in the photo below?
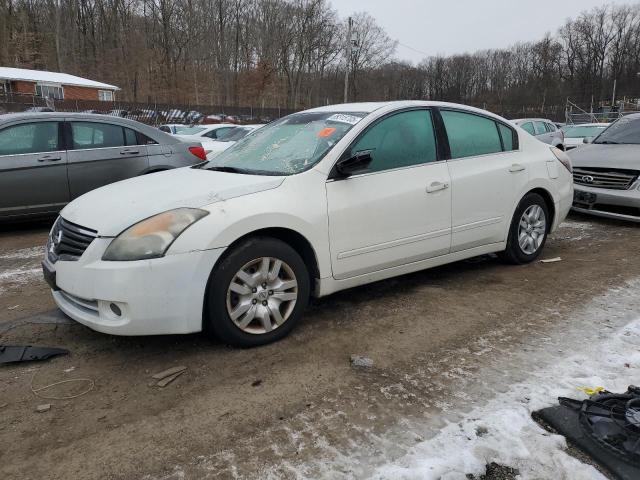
point(447, 416)
point(503, 432)
point(20, 267)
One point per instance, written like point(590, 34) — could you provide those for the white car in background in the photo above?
point(214, 147)
point(575, 135)
point(205, 132)
point(313, 203)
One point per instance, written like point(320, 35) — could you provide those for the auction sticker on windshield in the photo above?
point(344, 118)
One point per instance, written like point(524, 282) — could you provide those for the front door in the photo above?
point(33, 169)
point(399, 210)
point(103, 153)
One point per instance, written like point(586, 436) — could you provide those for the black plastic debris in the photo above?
point(27, 353)
point(606, 426)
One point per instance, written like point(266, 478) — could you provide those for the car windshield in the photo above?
point(583, 131)
point(190, 130)
point(625, 130)
point(287, 146)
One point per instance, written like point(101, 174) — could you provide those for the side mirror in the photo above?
point(358, 163)
point(587, 140)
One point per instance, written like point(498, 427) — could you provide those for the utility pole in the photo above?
point(347, 52)
point(613, 101)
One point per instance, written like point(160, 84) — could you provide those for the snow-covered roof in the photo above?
point(8, 73)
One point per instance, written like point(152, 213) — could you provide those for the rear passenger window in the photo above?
point(96, 135)
point(470, 135)
point(508, 141)
point(550, 127)
point(528, 127)
point(540, 128)
point(130, 137)
point(36, 137)
point(401, 140)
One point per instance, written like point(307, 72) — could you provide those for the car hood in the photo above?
point(613, 156)
point(115, 207)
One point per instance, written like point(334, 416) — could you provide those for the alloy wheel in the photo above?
point(532, 229)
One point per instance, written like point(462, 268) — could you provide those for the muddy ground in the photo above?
point(295, 408)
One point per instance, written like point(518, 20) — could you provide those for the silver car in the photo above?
point(606, 172)
point(48, 159)
point(543, 129)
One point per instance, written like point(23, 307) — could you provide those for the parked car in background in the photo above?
point(193, 116)
point(118, 113)
point(48, 159)
point(212, 119)
point(606, 172)
point(543, 129)
point(576, 135)
point(316, 202)
point(226, 139)
point(204, 132)
point(39, 109)
point(172, 128)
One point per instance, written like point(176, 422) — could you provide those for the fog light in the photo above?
point(115, 309)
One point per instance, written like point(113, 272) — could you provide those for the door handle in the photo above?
point(437, 186)
point(516, 167)
point(128, 150)
point(49, 158)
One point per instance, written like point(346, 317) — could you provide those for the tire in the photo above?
point(256, 295)
point(515, 252)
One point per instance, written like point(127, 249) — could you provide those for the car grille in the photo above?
point(611, 178)
point(68, 241)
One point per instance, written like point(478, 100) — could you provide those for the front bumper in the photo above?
point(146, 297)
point(602, 202)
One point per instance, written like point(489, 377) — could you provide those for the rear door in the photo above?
point(33, 168)
point(487, 173)
point(101, 153)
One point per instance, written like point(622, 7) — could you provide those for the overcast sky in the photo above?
point(458, 26)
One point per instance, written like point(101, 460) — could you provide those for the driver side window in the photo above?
point(401, 140)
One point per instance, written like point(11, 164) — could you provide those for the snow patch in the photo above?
point(23, 253)
point(508, 434)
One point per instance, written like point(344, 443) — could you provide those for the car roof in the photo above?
point(571, 125)
point(152, 132)
point(370, 107)
point(522, 120)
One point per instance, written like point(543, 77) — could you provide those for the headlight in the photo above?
point(152, 237)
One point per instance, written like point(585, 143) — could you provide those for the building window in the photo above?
point(50, 91)
point(105, 95)
point(4, 87)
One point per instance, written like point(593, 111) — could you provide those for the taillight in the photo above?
point(563, 158)
point(198, 152)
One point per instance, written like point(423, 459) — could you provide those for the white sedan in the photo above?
point(316, 202)
point(205, 132)
point(215, 147)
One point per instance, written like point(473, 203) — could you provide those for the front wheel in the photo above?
point(528, 232)
point(257, 293)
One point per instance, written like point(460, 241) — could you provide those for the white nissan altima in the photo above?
point(316, 202)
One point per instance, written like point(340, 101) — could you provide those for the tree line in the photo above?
point(293, 54)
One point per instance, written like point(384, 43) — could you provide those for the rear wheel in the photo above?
point(528, 231)
point(257, 293)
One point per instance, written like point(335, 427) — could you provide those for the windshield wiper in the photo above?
point(607, 142)
point(227, 169)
